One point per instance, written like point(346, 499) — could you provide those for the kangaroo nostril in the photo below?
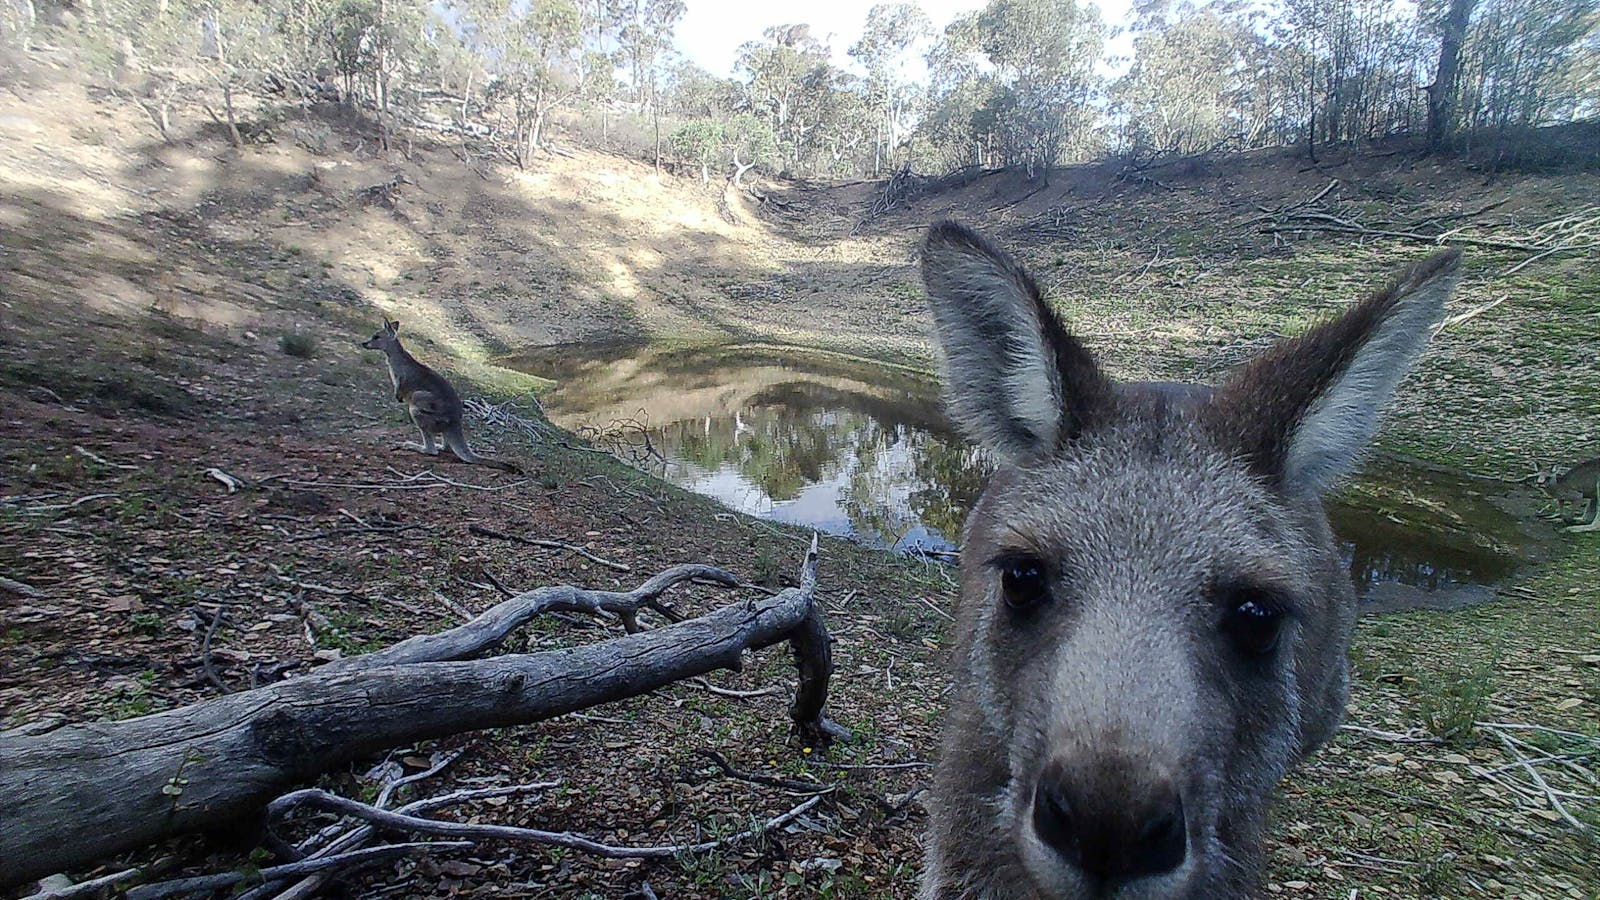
point(1052, 819)
point(1163, 842)
point(1111, 838)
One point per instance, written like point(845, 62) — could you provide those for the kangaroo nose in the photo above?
point(1115, 839)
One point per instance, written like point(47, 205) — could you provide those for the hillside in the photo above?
point(149, 294)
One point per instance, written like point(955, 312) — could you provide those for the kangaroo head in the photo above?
point(384, 338)
point(1153, 618)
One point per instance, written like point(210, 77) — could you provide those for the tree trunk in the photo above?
point(656, 123)
point(30, 21)
point(82, 792)
point(1441, 94)
point(233, 122)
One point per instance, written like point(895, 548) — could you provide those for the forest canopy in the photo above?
point(1024, 84)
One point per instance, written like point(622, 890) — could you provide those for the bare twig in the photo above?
point(1544, 786)
point(207, 883)
point(1469, 314)
point(206, 659)
point(737, 695)
point(491, 627)
point(231, 482)
point(1390, 736)
point(788, 784)
point(482, 531)
point(914, 764)
point(354, 838)
point(397, 821)
point(94, 887)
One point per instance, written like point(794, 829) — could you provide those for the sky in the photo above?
point(712, 30)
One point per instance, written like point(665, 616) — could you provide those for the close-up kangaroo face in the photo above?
point(1134, 614)
point(1153, 618)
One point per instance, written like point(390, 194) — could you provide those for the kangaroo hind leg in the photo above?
point(1589, 518)
point(427, 446)
point(456, 440)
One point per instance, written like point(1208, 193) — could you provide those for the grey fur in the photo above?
point(1150, 512)
point(1578, 486)
point(433, 403)
point(1341, 422)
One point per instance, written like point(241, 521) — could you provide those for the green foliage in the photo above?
point(698, 142)
point(353, 37)
point(1014, 83)
point(1019, 77)
point(298, 344)
point(1450, 700)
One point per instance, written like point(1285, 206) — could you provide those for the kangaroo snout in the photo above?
point(1110, 836)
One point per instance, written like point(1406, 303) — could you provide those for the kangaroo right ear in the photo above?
point(1303, 412)
point(394, 327)
point(1015, 380)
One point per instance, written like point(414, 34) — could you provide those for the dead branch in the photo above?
point(509, 416)
point(81, 792)
point(732, 694)
point(334, 843)
point(206, 658)
point(396, 821)
point(489, 629)
point(788, 784)
point(1390, 736)
point(20, 589)
point(482, 531)
point(626, 440)
point(103, 886)
point(1538, 780)
point(353, 859)
point(1472, 313)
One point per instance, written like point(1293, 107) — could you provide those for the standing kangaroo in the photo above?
point(1579, 486)
point(434, 405)
point(1153, 620)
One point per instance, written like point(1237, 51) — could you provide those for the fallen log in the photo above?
point(82, 792)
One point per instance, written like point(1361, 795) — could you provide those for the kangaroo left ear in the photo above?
point(1303, 412)
point(394, 327)
point(1016, 381)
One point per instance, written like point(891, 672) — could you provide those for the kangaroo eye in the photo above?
point(1254, 624)
point(1024, 582)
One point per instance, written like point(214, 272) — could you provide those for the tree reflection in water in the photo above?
point(848, 447)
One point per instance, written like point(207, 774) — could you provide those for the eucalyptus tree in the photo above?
point(1034, 64)
point(1192, 84)
point(532, 48)
point(891, 33)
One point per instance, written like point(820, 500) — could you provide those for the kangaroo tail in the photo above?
point(456, 440)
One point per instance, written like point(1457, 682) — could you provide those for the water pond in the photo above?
point(860, 449)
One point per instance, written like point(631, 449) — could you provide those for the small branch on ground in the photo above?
point(788, 784)
point(482, 531)
point(104, 886)
point(346, 861)
point(207, 661)
point(736, 695)
point(397, 821)
point(20, 589)
point(1472, 313)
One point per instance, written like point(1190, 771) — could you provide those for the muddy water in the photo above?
point(858, 449)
